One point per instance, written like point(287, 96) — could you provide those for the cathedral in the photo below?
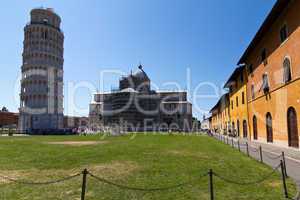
point(134, 106)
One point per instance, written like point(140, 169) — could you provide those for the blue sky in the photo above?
point(169, 38)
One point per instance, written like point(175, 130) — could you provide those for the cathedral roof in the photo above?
point(129, 90)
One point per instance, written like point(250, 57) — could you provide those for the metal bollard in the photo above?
point(83, 188)
point(239, 146)
point(284, 164)
point(261, 155)
point(286, 195)
point(247, 146)
point(211, 184)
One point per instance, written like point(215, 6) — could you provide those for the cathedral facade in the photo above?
point(134, 106)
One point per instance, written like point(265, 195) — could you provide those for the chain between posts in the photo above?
point(253, 149)
point(248, 183)
point(211, 173)
point(39, 183)
point(145, 189)
point(273, 157)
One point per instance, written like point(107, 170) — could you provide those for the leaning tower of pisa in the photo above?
point(41, 97)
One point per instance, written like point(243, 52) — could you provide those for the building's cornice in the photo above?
point(277, 9)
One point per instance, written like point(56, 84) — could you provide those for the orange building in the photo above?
point(237, 85)
point(273, 65)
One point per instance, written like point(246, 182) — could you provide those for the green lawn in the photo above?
point(147, 161)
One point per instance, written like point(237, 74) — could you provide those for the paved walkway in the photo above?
point(293, 154)
point(271, 155)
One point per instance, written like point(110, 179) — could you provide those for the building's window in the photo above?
point(42, 34)
point(252, 91)
point(245, 129)
point(45, 21)
point(250, 68)
point(269, 127)
point(231, 104)
point(293, 136)
point(46, 34)
point(254, 127)
point(265, 85)
point(287, 70)
point(283, 33)
point(242, 78)
point(243, 98)
point(238, 127)
point(237, 101)
point(264, 56)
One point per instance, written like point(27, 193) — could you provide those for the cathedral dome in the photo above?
point(140, 73)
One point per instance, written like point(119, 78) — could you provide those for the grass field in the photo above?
point(147, 161)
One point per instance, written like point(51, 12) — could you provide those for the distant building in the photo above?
point(210, 122)
point(71, 122)
point(135, 107)
point(8, 119)
point(205, 125)
point(41, 97)
point(220, 116)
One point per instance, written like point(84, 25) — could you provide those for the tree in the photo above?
point(4, 109)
